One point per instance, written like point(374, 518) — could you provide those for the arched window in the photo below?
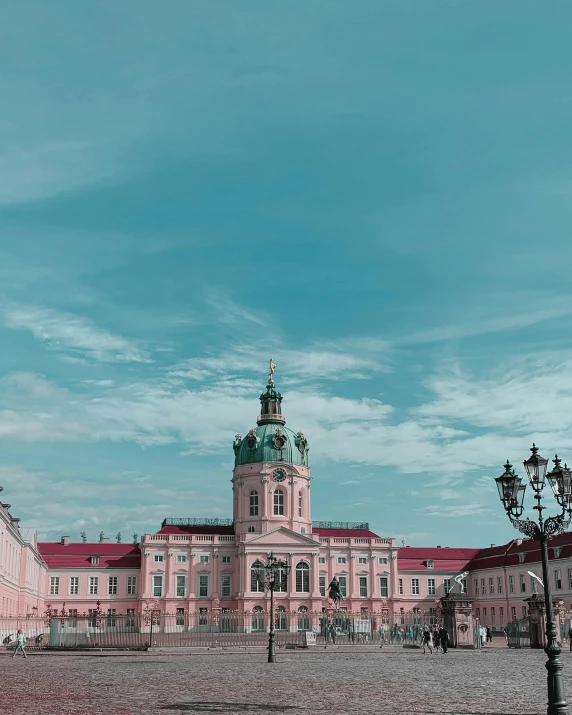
point(254, 503)
point(281, 582)
point(300, 504)
point(257, 577)
point(303, 619)
point(280, 619)
point(302, 578)
point(279, 503)
point(257, 618)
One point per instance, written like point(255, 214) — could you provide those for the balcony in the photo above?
point(181, 539)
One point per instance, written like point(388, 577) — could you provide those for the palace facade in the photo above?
point(192, 566)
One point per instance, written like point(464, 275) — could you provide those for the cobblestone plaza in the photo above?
point(490, 681)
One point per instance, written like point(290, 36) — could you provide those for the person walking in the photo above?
point(443, 639)
point(436, 641)
point(570, 639)
point(489, 635)
point(20, 642)
point(427, 643)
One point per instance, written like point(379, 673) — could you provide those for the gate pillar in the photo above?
point(457, 613)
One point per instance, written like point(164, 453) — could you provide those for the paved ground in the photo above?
point(300, 683)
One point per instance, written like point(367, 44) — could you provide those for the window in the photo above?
point(158, 558)
point(279, 503)
point(112, 585)
point(251, 530)
point(302, 529)
point(180, 586)
point(415, 587)
point(226, 559)
point(322, 560)
point(303, 619)
point(382, 561)
point(429, 564)
point(111, 614)
point(483, 588)
point(524, 614)
point(522, 584)
point(521, 557)
point(533, 584)
point(92, 618)
point(484, 612)
point(501, 615)
point(131, 585)
point(558, 579)
point(478, 612)
point(280, 619)
point(464, 586)
point(362, 560)
point(447, 585)
point(72, 621)
point(499, 584)
point(257, 618)
point(342, 560)
point(93, 585)
point(557, 551)
point(225, 586)
point(157, 586)
point(322, 585)
point(511, 584)
point(253, 503)
point(491, 585)
point(54, 585)
point(570, 579)
point(203, 586)
point(513, 612)
point(343, 581)
point(180, 617)
point(493, 616)
point(384, 586)
point(299, 505)
point(257, 577)
point(204, 559)
point(130, 617)
point(476, 591)
point(362, 583)
point(181, 559)
point(94, 560)
point(74, 585)
point(302, 578)
point(281, 582)
point(430, 586)
point(400, 586)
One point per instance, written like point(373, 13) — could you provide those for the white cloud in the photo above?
point(67, 332)
point(457, 511)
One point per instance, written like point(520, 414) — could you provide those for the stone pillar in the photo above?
point(457, 612)
point(537, 617)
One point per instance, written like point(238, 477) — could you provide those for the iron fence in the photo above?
point(518, 633)
point(36, 632)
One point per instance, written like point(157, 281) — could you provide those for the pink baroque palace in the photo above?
point(192, 568)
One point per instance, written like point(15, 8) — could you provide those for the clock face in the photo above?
point(279, 474)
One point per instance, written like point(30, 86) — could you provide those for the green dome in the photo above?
point(271, 440)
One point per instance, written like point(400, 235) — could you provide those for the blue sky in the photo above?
point(375, 194)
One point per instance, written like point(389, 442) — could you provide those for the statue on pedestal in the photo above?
point(334, 592)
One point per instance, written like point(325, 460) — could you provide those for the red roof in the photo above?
point(413, 558)
point(77, 555)
point(348, 533)
point(508, 554)
point(196, 530)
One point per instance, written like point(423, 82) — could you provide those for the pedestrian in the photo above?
point(483, 635)
point(427, 642)
point(443, 639)
point(20, 642)
point(570, 639)
point(489, 635)
point(436, 641)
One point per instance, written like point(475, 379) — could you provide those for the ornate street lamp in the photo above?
point(511, 492)
point(274, 573)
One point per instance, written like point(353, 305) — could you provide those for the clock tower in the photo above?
point(271, 477)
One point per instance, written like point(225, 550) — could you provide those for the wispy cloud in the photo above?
point(452, 512)
point(66, 332)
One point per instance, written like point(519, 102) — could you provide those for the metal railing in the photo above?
point(36, 632)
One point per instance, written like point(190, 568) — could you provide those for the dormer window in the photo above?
point(521, 557)
point(557, 550)
point(429, 564)
point(94, 560)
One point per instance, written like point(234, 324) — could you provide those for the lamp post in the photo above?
point(511, 492)
point(275, 572)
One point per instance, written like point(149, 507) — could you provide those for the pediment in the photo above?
point(282, 537)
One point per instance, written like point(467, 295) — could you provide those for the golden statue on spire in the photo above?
point(272, 368)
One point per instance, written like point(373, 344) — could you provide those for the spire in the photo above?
point(271, 401)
